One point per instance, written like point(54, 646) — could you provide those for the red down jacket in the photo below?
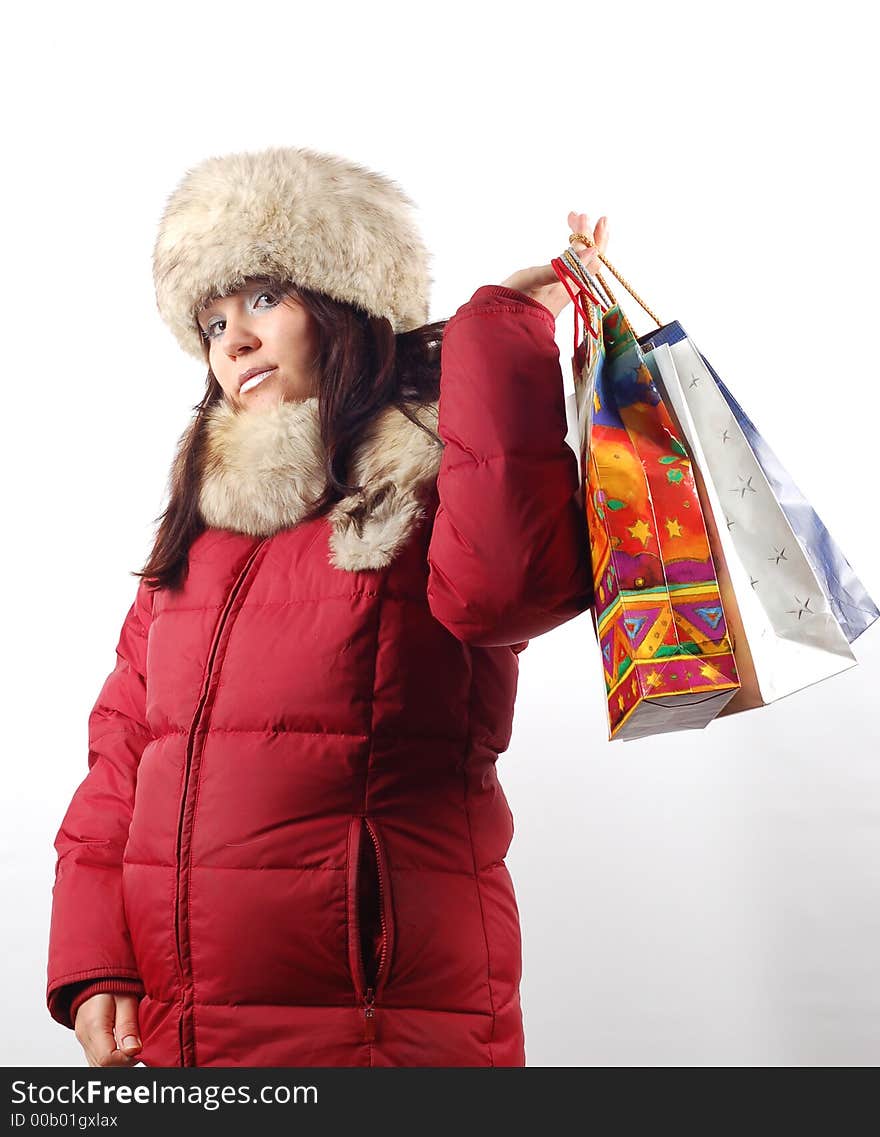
point(291, 837)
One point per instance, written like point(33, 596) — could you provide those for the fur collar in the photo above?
point(264, 470)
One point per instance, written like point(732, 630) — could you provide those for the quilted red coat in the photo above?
point(291, 837)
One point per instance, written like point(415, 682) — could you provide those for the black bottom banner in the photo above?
point(267, 1101)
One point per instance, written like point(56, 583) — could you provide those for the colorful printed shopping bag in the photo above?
point(667, 658)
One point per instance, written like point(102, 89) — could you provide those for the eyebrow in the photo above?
point(208, 304)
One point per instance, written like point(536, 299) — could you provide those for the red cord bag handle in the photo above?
point(565, 274)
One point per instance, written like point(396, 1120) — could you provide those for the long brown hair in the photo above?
point(363, 367)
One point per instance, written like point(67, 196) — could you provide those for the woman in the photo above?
point(289, 846)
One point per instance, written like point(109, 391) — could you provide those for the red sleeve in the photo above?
point(88, 935)
point(509, 557)
point(76, 994)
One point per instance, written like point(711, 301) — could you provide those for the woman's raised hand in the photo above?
point(104, 1024)
point(542, 283)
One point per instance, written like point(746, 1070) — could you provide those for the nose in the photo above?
point(239, 336)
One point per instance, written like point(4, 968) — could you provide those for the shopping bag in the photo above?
point(853, 607)
point(792, 600)
point(794, 637)
point(667, 658)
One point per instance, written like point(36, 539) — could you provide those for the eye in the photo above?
point(208, 332)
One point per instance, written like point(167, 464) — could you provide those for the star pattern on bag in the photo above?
point(746, 486)
point(804, 607)
point(641, 531)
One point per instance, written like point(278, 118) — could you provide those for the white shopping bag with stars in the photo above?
point(784, 622)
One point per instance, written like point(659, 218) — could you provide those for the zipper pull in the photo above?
point(369, 1017)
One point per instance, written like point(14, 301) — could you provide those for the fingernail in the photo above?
point(129, 1041)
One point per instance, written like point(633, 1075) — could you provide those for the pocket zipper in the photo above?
point(380, 873)
point(368, 998)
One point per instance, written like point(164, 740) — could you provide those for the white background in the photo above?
point(698, 899)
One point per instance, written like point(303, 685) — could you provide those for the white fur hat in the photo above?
point(318, 220)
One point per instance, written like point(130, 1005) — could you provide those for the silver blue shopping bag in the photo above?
point(848, 598)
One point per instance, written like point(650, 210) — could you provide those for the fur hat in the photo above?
point(317, 220)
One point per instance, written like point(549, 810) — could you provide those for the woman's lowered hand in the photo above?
point(104, 1024)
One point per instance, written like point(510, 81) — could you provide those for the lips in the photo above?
point(253, 377)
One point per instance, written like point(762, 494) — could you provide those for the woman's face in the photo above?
point(258, 328)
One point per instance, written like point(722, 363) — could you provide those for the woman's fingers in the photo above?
point(95, 1023)
point(106, 1052)
point(580, 223)
point(541, 281)
point(102, 1047)
point(600, 233)
point(111, 1055)
point(126, 1027)
point(588, 255)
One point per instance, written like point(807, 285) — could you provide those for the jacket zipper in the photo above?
point(181, 899)
point(380, 874)
point(369, 1016)
point(368, 998)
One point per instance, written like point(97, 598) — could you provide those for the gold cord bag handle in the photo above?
point(588, 240)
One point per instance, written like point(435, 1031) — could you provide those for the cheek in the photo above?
point(298, 335)
point(224, 375)
point(308, 340)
